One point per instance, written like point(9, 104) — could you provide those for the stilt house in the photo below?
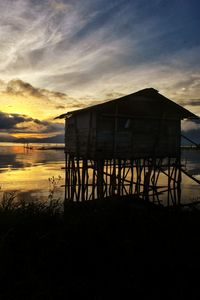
point(122, 146)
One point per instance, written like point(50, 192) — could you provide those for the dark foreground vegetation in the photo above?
point(111, 249)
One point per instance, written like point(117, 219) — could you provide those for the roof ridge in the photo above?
point(145, 92)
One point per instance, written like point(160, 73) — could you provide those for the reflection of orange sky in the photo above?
point(30, 178)
point(29, 170)
point(17, 149)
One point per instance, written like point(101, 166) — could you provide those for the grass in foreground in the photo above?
point(100, 250)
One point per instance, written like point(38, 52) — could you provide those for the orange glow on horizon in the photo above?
point(32, 135)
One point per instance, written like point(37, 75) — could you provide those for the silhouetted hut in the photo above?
point(143, 124)
point(125, 142)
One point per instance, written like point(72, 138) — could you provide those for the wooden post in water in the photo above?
point(100, 181)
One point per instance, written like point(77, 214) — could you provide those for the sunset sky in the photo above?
point(58, 56)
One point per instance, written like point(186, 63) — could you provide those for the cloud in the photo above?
point(60, 6)
point(23, 98)
point(60, 107)
point(188, 125)
point(10, 121)
point(114, 95)
point(21, 88)
point(29, 112)
point(97, 47)
point(21, 124)
point(190, 102)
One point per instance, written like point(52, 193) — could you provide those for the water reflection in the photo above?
point(10, 161)
point(27, 171)
point(192, 161)
point(16, 157)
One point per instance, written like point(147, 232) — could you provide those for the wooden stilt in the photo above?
point(88, 179)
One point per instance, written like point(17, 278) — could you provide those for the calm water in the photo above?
point(27, 171)
point(191, 189)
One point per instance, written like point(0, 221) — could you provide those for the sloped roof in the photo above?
point(144, 102)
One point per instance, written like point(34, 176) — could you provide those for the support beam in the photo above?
point(88, 179)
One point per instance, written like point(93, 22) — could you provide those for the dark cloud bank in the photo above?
point(13, 123)
point(9, 121)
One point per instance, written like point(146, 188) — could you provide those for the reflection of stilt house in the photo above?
point(125, 146)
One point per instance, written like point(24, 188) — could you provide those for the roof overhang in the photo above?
point(148, 92)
